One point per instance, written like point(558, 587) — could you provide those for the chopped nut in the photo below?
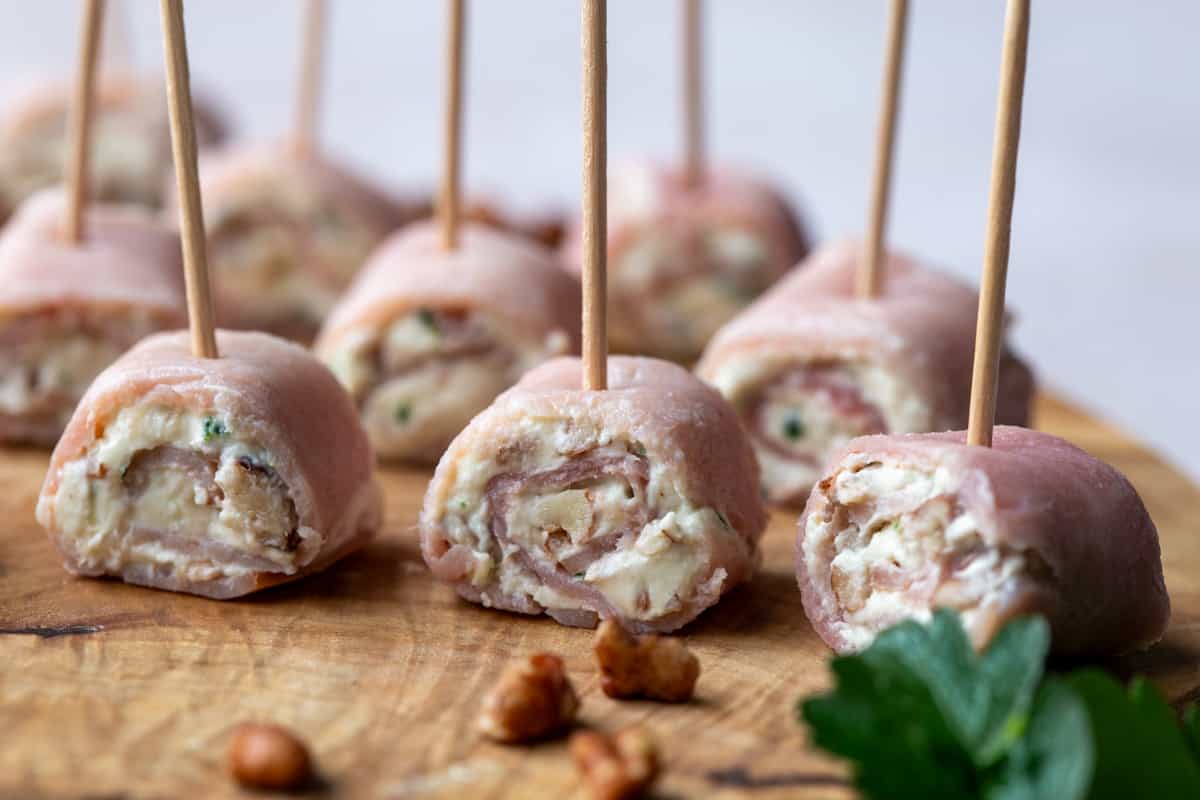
point(654, 667)
point(268, 757)
point(618, 767)
point(533, 699)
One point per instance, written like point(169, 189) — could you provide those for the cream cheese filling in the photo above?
point(428, 394)
point(115, 515)
point(807, 419)
point(679, 315)
point(658, 569)
point(52, 374)
point(902, 546)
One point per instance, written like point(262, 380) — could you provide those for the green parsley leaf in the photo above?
point(403, 412)
point(1191, 729)
point(921, 715)
point(1056, 757)
point(1141, 751)
point(793, 428)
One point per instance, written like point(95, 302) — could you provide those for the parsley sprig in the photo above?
point(920, 714)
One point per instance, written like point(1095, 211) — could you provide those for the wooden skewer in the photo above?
point(183, 147)
point(595, 169)
point(693, 93)
point(870, 278)
point(308, 87)
point(81, 118)
point(989, 330)
point(448, 203)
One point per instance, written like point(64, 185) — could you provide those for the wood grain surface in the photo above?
point(114, 691)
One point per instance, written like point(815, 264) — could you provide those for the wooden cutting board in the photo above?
point(109, 690)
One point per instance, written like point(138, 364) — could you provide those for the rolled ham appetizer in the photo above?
point(217, 477)
point(67, 311)
point(286, 234)
point(810, 366)
point(130, 148)
point(639, 503)
point(682, 261)
point(427, 337)
point(900, 525)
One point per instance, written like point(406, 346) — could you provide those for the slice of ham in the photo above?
point(248, 188)
point(33, 138)
point(1090, 551)
point(645, 198)
point(129, 259)
point(657, 430)
point(509, 277)
point(283, 400)
point(920, 329)
point(133, 287)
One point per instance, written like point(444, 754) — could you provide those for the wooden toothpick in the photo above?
point(183, 147)
point(693, 93)
point(448, 203)
point(308, 86)
point(870, 278)
point(81, 118)
point(595, 168)
point(989, 330)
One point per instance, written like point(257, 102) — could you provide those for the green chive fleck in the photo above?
point(793, 428)
point(427, 318)
point(213, 428)
point(580, 574)
point(403, 413)
point(639, 449)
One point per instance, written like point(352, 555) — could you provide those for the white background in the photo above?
point(1105, 267)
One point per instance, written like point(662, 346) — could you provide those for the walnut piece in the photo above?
point(653, 667)
point(619, 767)
point(265, 756)
point(532, 700)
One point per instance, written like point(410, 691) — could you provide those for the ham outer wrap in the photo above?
point(286, 234)
point(270, 413)
point(427, 337)
point(898, 363)
point(131, 146)
point(638, 503)
point(684, 260)
point(1033, 524)
point(68, 310)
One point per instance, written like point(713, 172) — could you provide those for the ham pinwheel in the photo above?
point(67, 311)
point(811, 366)
point(131, 147)
point(900, 525)
point(684, 260)
point(214, 476)
point(286, 234)
point(427, 337)
point(637, 503)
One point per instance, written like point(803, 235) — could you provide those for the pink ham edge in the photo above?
point(128, 262)
point(642, 195)
point(284, 398)
point(38, 102)
point(491, 270)
point(1034, 491)
point(233, 170)
point(680, 421)
point(922, 327)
